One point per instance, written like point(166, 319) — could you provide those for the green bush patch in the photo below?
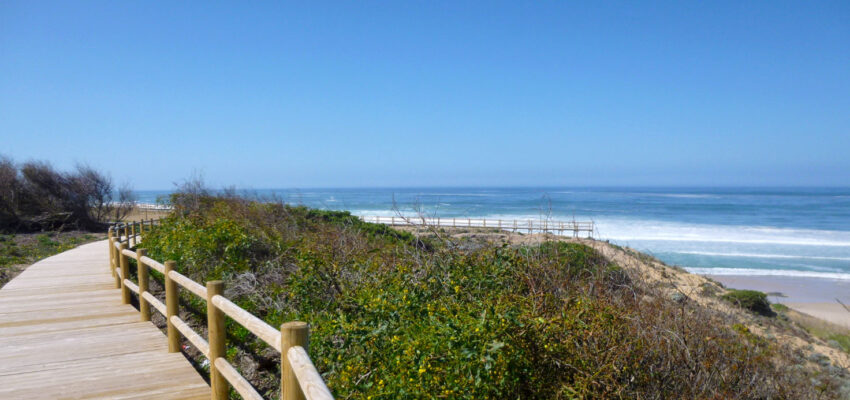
point(751, 300)
point(393, 317)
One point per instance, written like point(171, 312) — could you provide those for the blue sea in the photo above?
point(723, 231)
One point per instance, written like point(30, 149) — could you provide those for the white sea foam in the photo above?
point(681, 195)
point(769, 272)
point(628, 230)
point(759, 255)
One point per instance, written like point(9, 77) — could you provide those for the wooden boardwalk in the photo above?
point(64, 334)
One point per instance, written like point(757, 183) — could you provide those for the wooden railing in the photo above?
point(299, 377)
point(529, 225)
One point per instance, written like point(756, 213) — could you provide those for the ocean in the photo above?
point(802, 232)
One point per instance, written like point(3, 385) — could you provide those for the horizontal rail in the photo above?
point(152, 300)
point(299, 374)
point(253, 324)
point(239, 383)
point(312, 384)
point(153, 264)
point(191, 335)
point(132, 286)
point(189, 284)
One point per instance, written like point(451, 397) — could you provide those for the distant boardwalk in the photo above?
point(64, 334)
point(575, 228)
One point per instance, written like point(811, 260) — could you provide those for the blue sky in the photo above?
point(313, 94)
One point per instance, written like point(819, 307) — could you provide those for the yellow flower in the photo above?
point(422, 370)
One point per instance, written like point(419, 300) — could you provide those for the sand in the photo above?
point(812, 296)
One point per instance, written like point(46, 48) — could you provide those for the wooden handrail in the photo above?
point(189, 284)
point(312, 384)
point(153, 264)
point(253, 324)
point(299, 377)
point(191, 335)
point(152, 300)
point(242, 386)
point(132, 286)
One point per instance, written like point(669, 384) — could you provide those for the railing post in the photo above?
point(125, 274)
point(295, 333)
point(142, 227)
point(110, 241)
point(215, 327)
point(144, 282)
point(133, 232)
point(115, 262)
point(127, 234)
point(172, 308)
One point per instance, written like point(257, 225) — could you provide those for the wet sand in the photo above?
point(813, 296)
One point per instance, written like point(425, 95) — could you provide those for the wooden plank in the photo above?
point(65, 334)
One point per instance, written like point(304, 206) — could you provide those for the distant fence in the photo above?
point(299, 377)
point(157, 207)
point(515, 225)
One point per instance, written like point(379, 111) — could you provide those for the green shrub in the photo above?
point(779, 307)
point(392, 317)
point(751, 300)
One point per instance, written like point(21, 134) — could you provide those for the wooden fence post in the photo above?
point(110, 241)
point(142, 227)
point(295, 333)
point(125, 274)
point(133, 232)
point(144, 282)
point(215, 325)
point(115, 262)
point(172, 308)
point(127, 234)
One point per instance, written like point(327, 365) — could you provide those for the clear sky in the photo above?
point(406, 93)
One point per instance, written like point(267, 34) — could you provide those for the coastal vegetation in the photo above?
point(396, 315)
point(34, 197)
point(752, 300)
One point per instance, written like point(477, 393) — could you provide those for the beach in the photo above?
point(812, 296)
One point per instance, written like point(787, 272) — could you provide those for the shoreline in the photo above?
point(812, 296)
